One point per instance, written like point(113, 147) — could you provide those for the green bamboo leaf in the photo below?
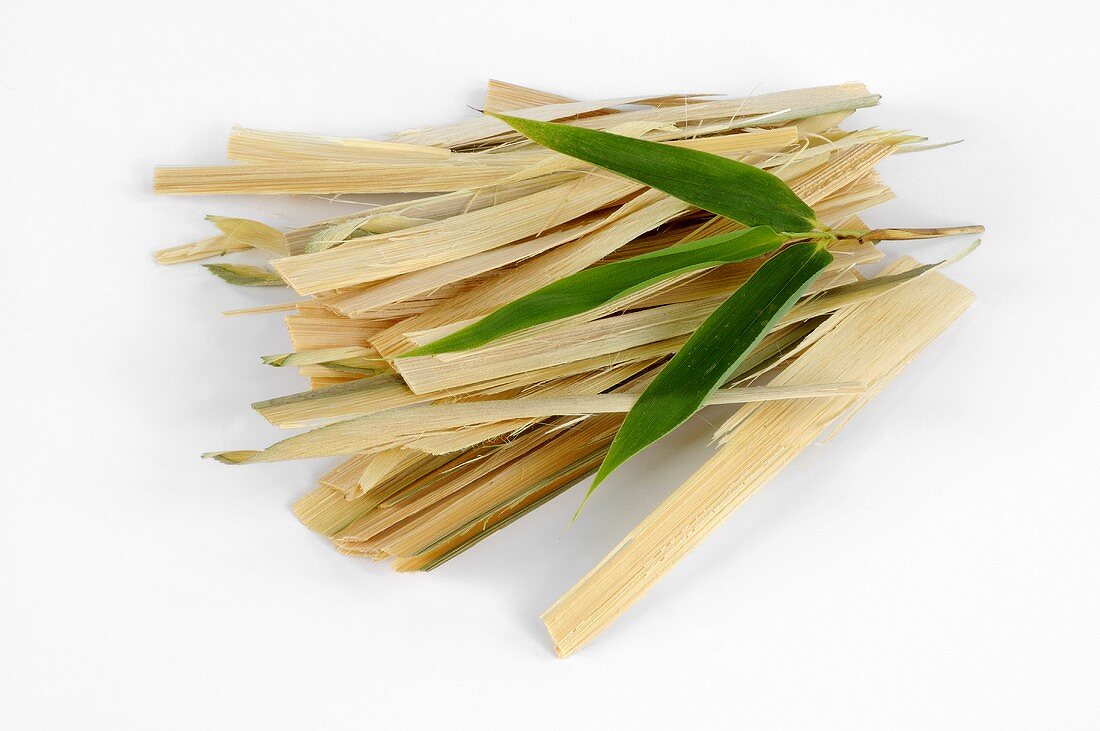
point(712, 353)
point(246, 276)
point(717, 184)
point(597, 286)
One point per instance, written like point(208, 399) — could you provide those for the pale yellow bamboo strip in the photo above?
point(374, 258)
point(364, 396)
point(335, 380)
point(360, 301)
point(313, 332)
point(262, 309)
point(253, 145)
point(592, 382)
point(436, 208)
point(870, 342)
point(354, 372)
point(327, 177)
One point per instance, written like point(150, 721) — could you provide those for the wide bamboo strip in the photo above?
point(378, 257)
point(434, 208)
point(320, 177)
point(361, 301)
point(597, 381)
point(364, 396)
point(335, 167)
point(315, 329)
point(870, 342)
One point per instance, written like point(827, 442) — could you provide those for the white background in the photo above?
point(935, 566)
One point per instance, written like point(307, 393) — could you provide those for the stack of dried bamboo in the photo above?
point(443, 450)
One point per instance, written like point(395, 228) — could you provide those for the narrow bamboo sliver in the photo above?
point(870, 342)
point(364, 433)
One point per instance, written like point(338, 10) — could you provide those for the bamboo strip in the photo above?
point(321, 177)
point(364, 396)
point(435, 208)
point(253, 145)
point(359, 302)
point(378, 257)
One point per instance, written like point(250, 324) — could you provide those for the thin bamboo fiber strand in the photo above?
point(869, 342)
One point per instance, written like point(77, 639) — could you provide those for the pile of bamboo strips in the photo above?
point(441, 451)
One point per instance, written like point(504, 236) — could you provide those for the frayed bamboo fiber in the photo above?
point(869, 342)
